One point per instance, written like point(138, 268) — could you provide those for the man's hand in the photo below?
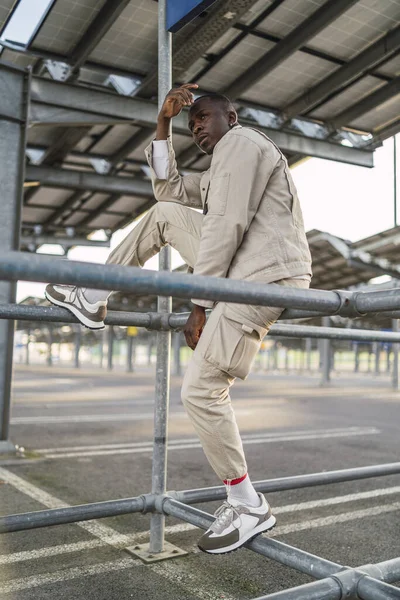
point(194, 326)
point(174, 101)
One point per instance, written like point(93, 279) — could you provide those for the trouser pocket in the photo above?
point(233, 346)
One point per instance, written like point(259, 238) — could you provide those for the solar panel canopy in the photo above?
point(320, 77)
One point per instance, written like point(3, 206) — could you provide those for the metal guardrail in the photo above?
point(368, 582)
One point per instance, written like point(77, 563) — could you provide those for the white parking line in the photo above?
point(108, 417)
point(120, 540)
point(102, 532)
point(185, 443)
point(27, 583)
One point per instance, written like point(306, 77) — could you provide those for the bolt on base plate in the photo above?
point(142, 551)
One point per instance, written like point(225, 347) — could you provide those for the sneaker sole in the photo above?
point(81, 318)
point(263, 528)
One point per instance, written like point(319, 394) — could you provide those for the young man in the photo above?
point(251, 228)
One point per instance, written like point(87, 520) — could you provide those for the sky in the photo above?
point(344, 200)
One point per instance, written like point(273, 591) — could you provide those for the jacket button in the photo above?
point(203, 189)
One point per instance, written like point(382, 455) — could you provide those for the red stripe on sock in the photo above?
point(235, 481)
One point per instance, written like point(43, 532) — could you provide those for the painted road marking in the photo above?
point(108, 536)
point(119, 540)
point(185, 443)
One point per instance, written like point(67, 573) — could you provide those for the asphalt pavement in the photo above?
point(87, 436)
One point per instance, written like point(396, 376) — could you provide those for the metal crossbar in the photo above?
point(368, 582)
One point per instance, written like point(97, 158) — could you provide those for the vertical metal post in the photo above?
point(356, 358)
point(177, 353)
point(395, 179)
point(14, 99)
point(308, 353)
point(102, 344)
point(159, 472)
point(50, 347)
point(149, 350)
point(395, 372)
point(78, 339)
point(110, 347)
point(377, 354)
point(28, 335)
point(388, 359)
point(325, 356)
point(129, 353)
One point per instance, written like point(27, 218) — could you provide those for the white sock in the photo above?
point(242, 490)
point(94, 296)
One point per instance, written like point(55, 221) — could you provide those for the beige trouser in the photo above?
point(228, 345)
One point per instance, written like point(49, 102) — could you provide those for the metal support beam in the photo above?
point(87, 181)
point(105, 18)
point(55, 103)
point(308, 29)
point(381, 95)
point(66, 242)
point(384, 133)
point(14, 100)
point(371, 57)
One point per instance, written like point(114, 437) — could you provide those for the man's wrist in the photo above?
point(198, 308)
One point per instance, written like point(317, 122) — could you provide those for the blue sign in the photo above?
point(181, 12)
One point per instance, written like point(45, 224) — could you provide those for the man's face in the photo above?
point(209, 122)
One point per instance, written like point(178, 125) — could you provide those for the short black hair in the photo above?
point(219, 98)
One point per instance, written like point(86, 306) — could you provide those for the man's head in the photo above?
point(210, 117)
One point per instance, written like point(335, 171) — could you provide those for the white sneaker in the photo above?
point(72, 298)
point(235, 525)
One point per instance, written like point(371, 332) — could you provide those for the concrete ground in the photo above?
point(87, 436)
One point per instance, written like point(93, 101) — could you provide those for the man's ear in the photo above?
point(232, 118)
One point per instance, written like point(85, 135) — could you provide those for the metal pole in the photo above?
point(377, 353)
point(78, 339)
point(129, 354)
point(28, 334)
point(159, 471)
point(110, 347)
point(14, 99)
point(325, 356)
point(356, 358)
point(50, 347)
point(308, 353)
point(102, 344)
point(395, 372)
point(177, 353)
point(395, 179)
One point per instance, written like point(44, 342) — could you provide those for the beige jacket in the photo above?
point(254, 227)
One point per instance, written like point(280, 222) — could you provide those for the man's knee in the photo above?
point(166, 211)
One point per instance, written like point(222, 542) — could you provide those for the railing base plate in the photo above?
point(7, 447)
point(142, 551)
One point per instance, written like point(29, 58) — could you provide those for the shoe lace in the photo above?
point(226, 514)
point(74, 294)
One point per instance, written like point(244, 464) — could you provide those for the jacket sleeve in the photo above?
point(176, 188)
point(240, 171)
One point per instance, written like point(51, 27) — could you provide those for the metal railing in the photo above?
point(368, 582)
